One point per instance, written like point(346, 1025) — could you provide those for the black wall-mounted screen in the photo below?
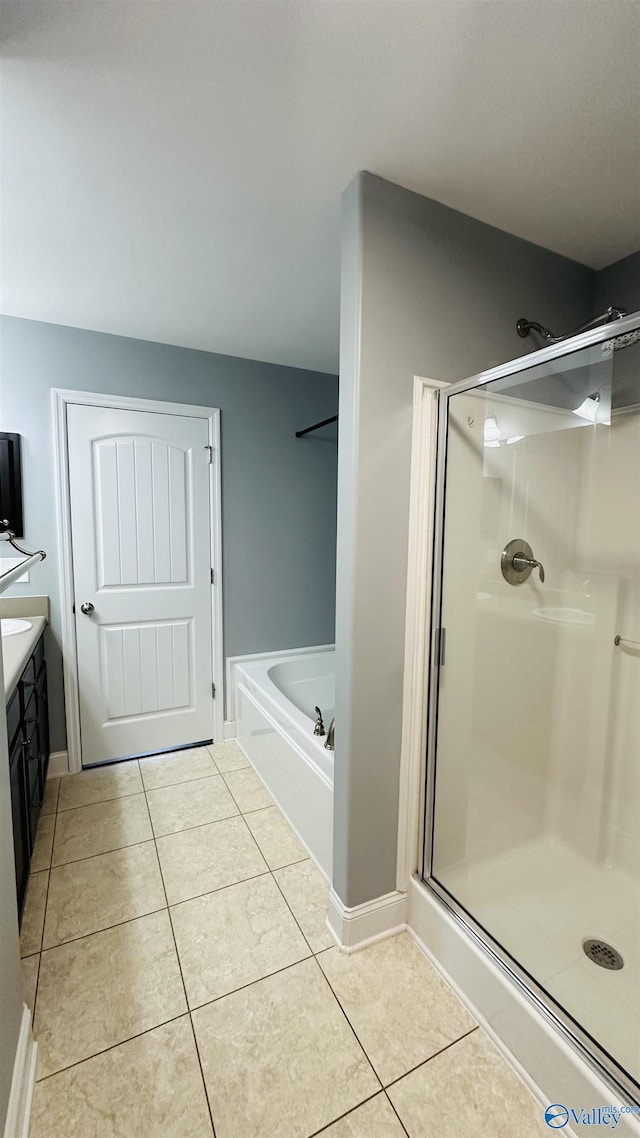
point(10, 484)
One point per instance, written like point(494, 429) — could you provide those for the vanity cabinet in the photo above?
point(28, 731)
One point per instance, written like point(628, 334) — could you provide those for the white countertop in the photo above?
point(16, 650)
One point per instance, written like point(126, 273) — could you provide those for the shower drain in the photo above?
point(602, 953)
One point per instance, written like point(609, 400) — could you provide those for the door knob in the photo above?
point(86, 608)
point(517, 562)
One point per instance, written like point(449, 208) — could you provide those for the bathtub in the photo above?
point(274, 699)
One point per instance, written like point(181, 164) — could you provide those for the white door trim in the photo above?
point(60, 400)
point(416, 657)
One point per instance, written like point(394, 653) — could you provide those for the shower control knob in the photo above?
point(517, 562)
point(87, 608)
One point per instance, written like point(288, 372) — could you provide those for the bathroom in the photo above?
point(303, 794)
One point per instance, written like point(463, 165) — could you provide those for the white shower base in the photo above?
point(540, 901)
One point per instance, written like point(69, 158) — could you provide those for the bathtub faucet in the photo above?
point(319, 725)
point(330, 735)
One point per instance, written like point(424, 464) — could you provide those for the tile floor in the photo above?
point(184, 983)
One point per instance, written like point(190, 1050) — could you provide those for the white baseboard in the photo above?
point(23, 1081)
point(58, 764)
point(353, 929)
point(229, 728)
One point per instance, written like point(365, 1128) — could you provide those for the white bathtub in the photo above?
point(274, 699)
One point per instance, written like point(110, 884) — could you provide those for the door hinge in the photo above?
point(213, 576)
point(210, 449)
point(213, 691)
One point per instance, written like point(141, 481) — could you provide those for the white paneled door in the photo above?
point(141, 545)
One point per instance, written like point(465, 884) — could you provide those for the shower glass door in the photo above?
point(533, 821)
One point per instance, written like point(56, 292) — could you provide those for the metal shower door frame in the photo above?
point(589, 1049)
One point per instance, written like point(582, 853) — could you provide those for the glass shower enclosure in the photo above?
point(532, 805)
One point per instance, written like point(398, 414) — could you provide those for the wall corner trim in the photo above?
point(23, 1081)
point(58, 764)
point(353, 929)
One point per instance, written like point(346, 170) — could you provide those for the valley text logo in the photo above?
point(556, 1116)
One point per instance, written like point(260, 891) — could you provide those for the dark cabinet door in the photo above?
point(21, 837)
point(28, 724)
point(42, 722)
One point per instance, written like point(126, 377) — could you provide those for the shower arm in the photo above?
point(524, 327)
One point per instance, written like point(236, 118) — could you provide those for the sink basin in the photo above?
point(13, 626)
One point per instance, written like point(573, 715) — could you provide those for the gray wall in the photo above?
point(425, 291)
point(619, 284)
point(278, 492)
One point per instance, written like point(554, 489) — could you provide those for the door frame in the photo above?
point(60, 399)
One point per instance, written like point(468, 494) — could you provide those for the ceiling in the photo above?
point(173, 168)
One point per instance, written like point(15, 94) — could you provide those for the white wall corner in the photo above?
point(23, 1081)
point(353, 929)
point(58, 764)
point(230, 729)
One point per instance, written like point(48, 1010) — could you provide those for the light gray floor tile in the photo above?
point(99, 785)
point(233, 937)
point(279, 1058)
point(33, 914)
point(400, 1009)
point(103, 989)
point(149, 1087)
point(248, 790)
point(101, 827)
point(307, 894)
point(50, 802)
point(41, 855)
point(228, 757)
point(467, 1091)
point(188, 804)
point(97, 892)
point(275, 837)
point(30, 967)
point(208, 857)
point(177, 766)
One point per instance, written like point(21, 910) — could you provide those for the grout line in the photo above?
point(111, 1047)
point(98, 802)
point(44, 918)
point(424, 1062)
point(107, 928)
point(346, 1114)
point(184, 986)
point(197, 827)
point(395, 1112)
point(363, 1049)
point(220, 889)
point(103, 853)
point(204, 1081)
point(181, 781)
point(250, 983)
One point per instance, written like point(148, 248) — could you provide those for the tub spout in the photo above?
point(330, 735)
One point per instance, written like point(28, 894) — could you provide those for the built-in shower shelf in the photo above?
point(560, 615)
